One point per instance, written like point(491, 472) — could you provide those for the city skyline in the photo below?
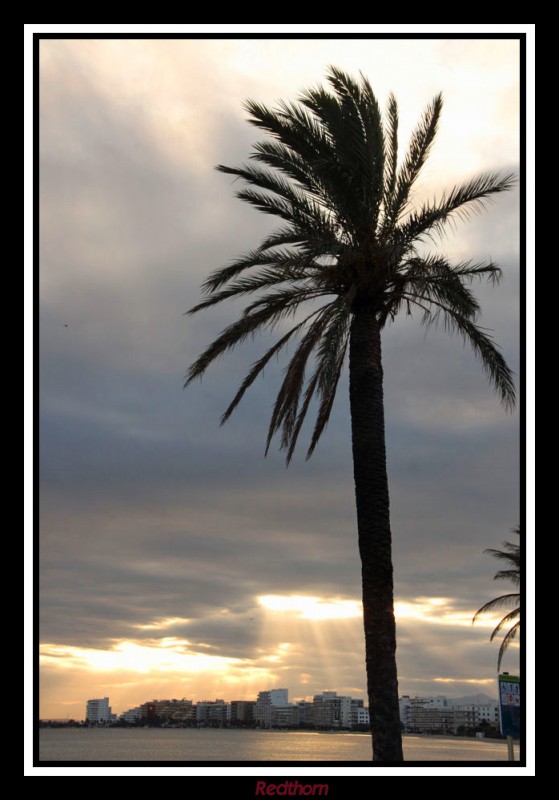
point(172, 552)
point(97, 707)
point(272, 709)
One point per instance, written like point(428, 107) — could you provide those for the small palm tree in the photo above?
point(511, 555)
point(352, 245)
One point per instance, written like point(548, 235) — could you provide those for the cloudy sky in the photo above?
point(175, 560)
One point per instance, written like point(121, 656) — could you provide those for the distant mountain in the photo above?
point(473, 700)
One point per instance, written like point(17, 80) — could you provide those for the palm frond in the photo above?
point(391, 146)
point(262, 280)
point(288, 234)
point(330, 363)
point(293, 126)
point(268, 204)
point(492, 361)
point(359, 136)
point(418, 150)
point(284, 267)
point(286, 405)
point(265, 313)
point(301, 132)
point(444, 290)
point(308, 396)
point(508, 638)
point(512, 575)
point(512, 555)
point(294, 294)
point(462, 201)
point(508, 618)
point(259, 365)
point(282, 158)
point(503, 601)
point(255, 258)
point(297, 207)
point(309, 136)
point(330, 354)
point(435, 278)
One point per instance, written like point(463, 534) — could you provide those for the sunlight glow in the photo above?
point(464, 680)
point(435, 610)
point(315, 608)
point(163, 622)
point(166, 655)
point(439, 611)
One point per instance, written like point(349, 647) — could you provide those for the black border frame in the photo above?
point(331, 780)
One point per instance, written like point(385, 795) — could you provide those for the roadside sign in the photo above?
point(509, 705)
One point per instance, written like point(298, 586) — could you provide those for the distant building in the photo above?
point(430, 715)
point(331, 711)
point(265, 702)
point(473, 715)
point(98, 710)
point(149, 711)
point(174, 710)
point(285, 716)
point(464, 719)
point(241, 714)
point(132, 715)
point(157, 709)
point(160, 711)
point(211, 713)
point(304, 713)
point(405, 706)
point(425, 718)
point(441, 715)
point(359, 715)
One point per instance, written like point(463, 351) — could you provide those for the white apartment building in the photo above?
point(359, 716)
point(441, 715)
point(476, 714)
point(98, 710)
point(132, 715)
point(265, 702)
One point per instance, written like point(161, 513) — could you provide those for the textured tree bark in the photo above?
point(375, 543)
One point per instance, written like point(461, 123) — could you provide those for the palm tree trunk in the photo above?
point(373, 523)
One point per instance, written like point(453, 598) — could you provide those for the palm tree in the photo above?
point(351, 243)
point(511, 555)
